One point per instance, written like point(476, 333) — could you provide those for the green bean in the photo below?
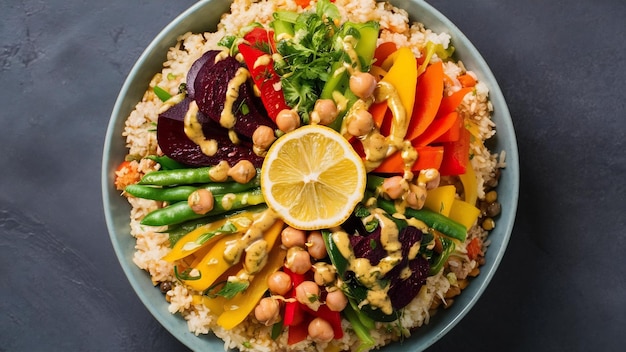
point(180, 193)
point(374, 183)
point(179, 176)
point(180, 212)
point(166, 162)
point(437, 221)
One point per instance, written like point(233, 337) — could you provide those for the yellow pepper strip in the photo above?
point(212, 264)
point(216, 304)
point(401, 67)
point(470, 185)
point(464, 213)
point(440, 199)
point(238, 308)
point(187, 244)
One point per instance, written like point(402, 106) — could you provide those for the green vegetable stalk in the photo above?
point(180, 212)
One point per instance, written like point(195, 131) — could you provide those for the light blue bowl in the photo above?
point(204, 16)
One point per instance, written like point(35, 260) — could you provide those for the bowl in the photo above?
point(203, 16)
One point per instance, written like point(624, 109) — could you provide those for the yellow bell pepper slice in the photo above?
point(238, 308)
point(470, 185)
point(464, 213)
point(440, 199)
point(212, 264)
point(187, 244)
point(401, 67)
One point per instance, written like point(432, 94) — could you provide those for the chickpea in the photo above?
point(360, 123)
point(336, 300)
point(292, 237)
point(308, 293)
point(320, 330)
point(429, 178)
point(325, 111)
point(287, 120)
point(201, 201)
point(324, 273)
point(362, 84)
point(267, 311)
point(242, 172)
point(298, 260)
point(416, 196)
point(394, 186)
point(263, 137)
point(219, 173)
point(279, 283)
point(315, 245)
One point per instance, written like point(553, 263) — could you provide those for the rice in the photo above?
point(152, 244)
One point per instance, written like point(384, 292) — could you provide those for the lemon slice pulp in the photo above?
point(312, 178)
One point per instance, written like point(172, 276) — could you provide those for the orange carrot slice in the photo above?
point(427, 157)
point(467, 80)
point(427, 100)
point(454, 133)
point(451, 102)
point(437, 128)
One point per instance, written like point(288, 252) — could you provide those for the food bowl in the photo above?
point(203, 16)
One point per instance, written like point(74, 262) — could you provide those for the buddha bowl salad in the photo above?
point(311, 176)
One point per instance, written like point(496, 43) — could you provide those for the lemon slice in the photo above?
point(312, 178)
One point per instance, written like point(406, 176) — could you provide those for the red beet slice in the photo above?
point(210, 87)
point(195, 68)
point(174, 142)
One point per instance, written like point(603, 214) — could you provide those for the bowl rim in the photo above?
point(428, 334)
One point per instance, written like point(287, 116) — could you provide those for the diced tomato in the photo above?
point(455, 155)
point(474, 248)
point(303, 3)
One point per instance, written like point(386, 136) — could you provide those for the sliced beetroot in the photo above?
point(195, 68)
point(401, 291)
point(178, 111)
point(174, 142)
point(210, 88)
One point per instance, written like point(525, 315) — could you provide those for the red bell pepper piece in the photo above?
point(332, 317)
point(265, 79)
point(294, 314)
point(383, 51)
point(297, 333)
point(261, 39)
point(455, 155)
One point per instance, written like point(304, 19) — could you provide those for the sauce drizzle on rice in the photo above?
point(202, 308)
